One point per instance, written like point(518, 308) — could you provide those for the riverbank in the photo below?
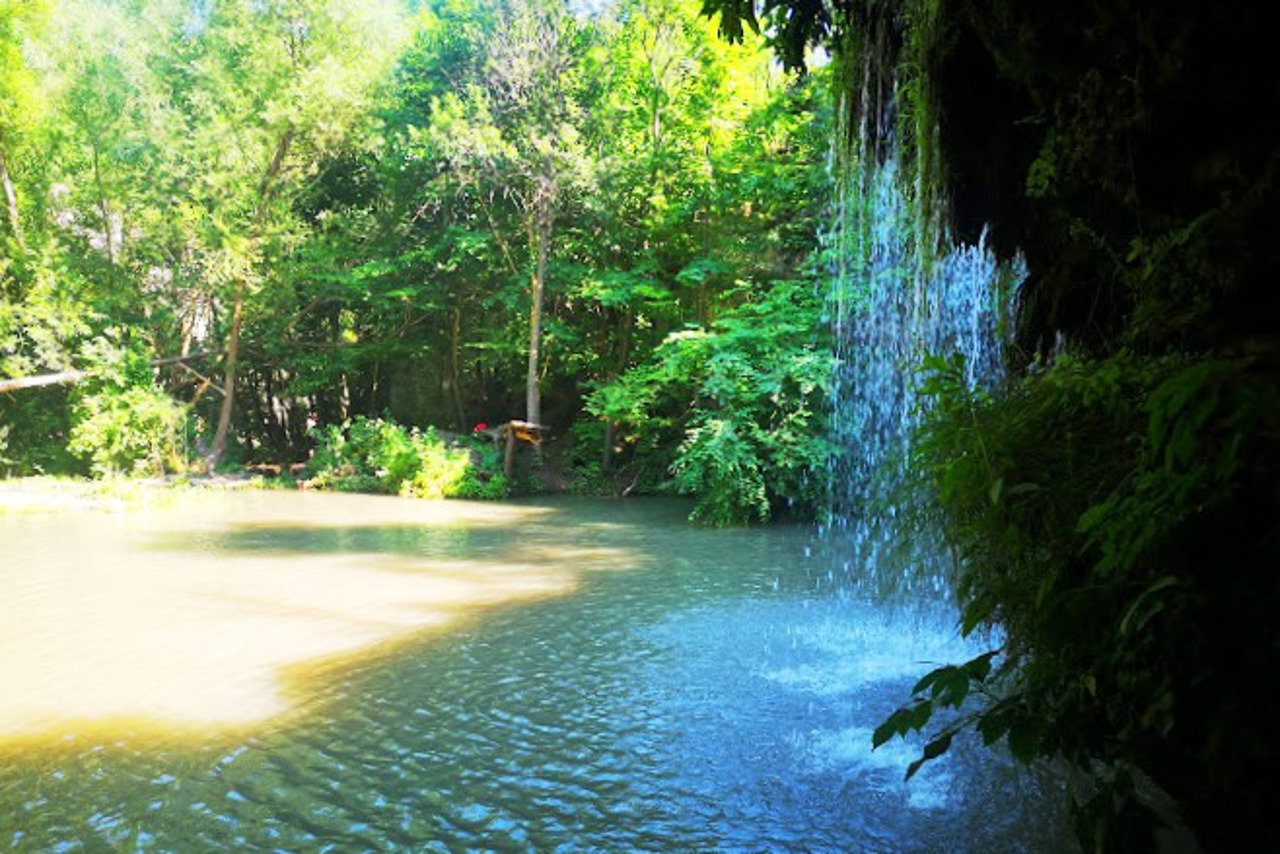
point(49, 493)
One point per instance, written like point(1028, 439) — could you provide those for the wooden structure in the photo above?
point(519, 431)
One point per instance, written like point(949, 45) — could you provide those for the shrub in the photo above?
point(1115, 519)
point(5, 462)
point(377, 455)
point(742, 403)
point(136, 430)
point(483, 478)
point(441, 469)
point(120, 422)
point(39, 421)
point(720, 462)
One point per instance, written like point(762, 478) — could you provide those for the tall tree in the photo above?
point(520, 122)
point(265, 88)
point(19, 100)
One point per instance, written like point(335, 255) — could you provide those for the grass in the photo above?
point(51, 493)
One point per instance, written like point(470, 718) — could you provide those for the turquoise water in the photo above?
point(691, 691)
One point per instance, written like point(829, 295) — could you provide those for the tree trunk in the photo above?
point(229, 384)
point(624, 356)
point(11, 199)
point(277, 162)
point(533, 400)
point(233, 346)
point(104, 210)
point(455, 348)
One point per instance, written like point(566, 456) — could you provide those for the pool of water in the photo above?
point(293, 672)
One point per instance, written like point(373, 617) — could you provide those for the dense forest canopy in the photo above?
point(461, 213)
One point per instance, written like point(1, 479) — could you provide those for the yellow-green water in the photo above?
point(300, 672)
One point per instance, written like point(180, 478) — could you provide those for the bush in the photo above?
point(441, 470)
point(377, 455)
point(38, 421)
point(483, 478)
point(121, 422)
point(720, 461)
point(1115, 520)
point(6, 463)
point(135, 430)
point(743, 404)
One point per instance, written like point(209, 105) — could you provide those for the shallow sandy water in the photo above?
point(166, 615)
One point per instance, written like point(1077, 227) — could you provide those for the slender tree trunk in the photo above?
point(277, 162)
point(104, 209)
point(233, 345)
point(606, 449)
point(229, 383)
point(533, 400)
point(11, 199)
point(624, 356)
point(455, 358)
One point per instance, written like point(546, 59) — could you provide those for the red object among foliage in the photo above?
point(479, 427)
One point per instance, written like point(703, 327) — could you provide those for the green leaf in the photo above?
point(992, 727)
point(980, 667)
point(975, 614)
point(932, 750)
point(1024, 740)
point(912, 717)
point(926, 681)
point(1141, 610)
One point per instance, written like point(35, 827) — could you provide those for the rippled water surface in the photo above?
point(283, 672)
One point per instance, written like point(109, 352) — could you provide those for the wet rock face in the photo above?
point(985, 149)
point(1098, 136)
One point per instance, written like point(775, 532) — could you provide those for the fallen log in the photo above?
point(74, 376)
point(43, 379)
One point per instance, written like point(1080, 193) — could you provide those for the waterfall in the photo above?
point(900, 290)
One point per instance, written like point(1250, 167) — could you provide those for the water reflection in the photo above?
point(452, 541)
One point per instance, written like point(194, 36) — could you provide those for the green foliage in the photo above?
point(376, 455)
point(135, 430)
point(354, 456)
point(121, 422)
point(484, 478)
point(440, 472)
point(38, 422)
point(943, 688)
point(747, 399)
point(1077, 502)
point(376, 206)
point(472, 471)
point(723, 467)
point(44, 322)
point(6, 462)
